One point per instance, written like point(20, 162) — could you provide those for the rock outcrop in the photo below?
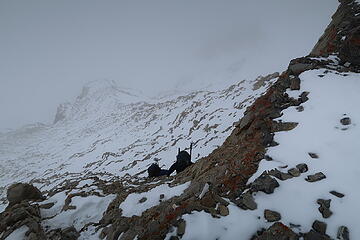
point(19, 192)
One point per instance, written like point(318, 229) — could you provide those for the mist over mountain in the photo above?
point(51, 50)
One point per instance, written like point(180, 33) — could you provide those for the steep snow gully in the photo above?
point(288, 169)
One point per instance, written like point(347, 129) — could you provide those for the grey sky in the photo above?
point(49, 49)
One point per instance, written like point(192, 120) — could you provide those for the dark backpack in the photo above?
point(154, 170)
point(183, 157)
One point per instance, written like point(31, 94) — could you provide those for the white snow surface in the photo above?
point(319, 131)
point(131, 206)
point(88, 209)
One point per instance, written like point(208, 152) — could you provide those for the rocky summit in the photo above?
point(273, 158)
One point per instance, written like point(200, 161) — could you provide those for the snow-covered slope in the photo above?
point(333, 96)
point(131, 130)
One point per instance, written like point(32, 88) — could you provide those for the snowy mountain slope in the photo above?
point(319, 130)
point(291, 159)
point(133, 131)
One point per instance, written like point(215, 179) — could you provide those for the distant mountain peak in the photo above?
point(95, 97)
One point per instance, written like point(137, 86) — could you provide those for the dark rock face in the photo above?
point(277, 231)
point(272, 216)
point(350, 49)
point(315, 177)
point(265, 184)
point(342, 35)
point(22, 191)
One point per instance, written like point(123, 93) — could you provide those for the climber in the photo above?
point(155, 171)
point(183, 160)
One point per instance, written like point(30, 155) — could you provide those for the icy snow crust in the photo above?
point(319, 131)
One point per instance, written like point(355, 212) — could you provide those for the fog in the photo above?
point(50, 49)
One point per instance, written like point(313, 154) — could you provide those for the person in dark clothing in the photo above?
point(183, 160)
point(155, 171)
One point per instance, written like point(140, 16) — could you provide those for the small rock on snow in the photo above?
point(319, 226)
point(302, 167)
point(295, 172)
point(343, 233)
point(337, 194)
point(271, 216)
point(345, 121)
point(315, 177)
point(313, 155)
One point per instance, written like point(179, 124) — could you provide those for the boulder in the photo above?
point(295, 172)
point(70, 233)
point(303, 97)
point(279, 175)
point(343, 233)
point(302, 167)
point(295, 83)
point(272, 216)
point(23, 191)
point(319, 226)
point(277, 231)
point(315, 177)
point(223, 210)
point(313, 235)
point(298, 68)
point(181, 228)
point(324, 208)
point(246, 201)
point(265, 184)
point(337, 194)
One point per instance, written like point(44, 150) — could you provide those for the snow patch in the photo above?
point(131, 206)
